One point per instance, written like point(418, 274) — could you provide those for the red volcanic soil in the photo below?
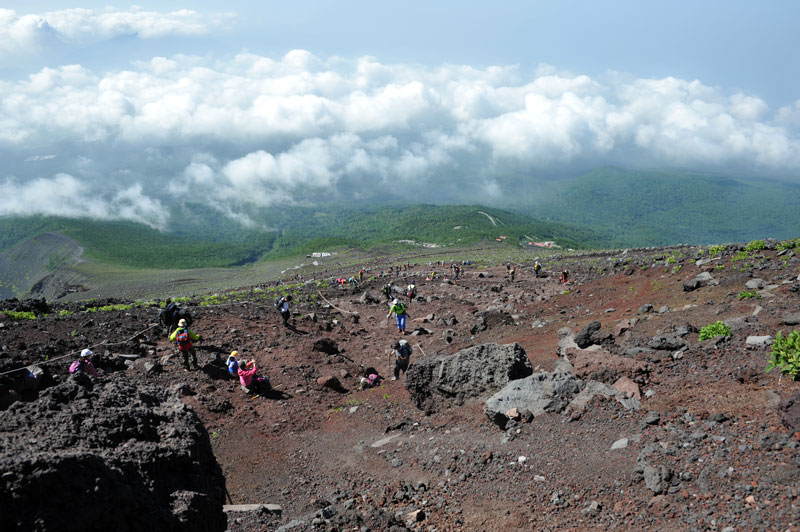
point(708, 450)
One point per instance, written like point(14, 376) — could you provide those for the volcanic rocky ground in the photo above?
point(529, 405)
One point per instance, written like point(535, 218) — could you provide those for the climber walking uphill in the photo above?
point(411, 290)
point(402, 354)
point(537, 269)
point(564, 276)
point(387, 291)
point(399, 311)
point(183, 339)
point(171, 314)
point(282, 304)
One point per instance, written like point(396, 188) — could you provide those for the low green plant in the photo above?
point(656, 285)
point(64, 313)
point(755, 245)
point(785, 354)
point(108, 308)
point(720, 266)
point(788, 244)
point(713, 330)
point(742, 255)
point(749, 294)
point(716, 250)
point(19, 315)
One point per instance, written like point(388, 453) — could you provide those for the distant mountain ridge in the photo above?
point(606, 208)
point(636, 208)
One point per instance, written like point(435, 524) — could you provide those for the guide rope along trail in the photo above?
point(73, 353)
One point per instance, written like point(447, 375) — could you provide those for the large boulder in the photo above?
point(533, 396)
point(107, 455)
point(446, 380)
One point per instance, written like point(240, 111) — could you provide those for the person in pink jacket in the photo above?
point(252, 383)
point(84, 364)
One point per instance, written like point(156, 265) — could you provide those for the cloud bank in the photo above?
point(32, 33)
point(252, 131)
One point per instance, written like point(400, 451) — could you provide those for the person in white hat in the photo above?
point(84, 364)
point(399, 311)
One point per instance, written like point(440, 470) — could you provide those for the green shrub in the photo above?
point(785, 354)
point(713, 330)
point(742, 255)
point(64, 313)
point(755, 245)
point(16, 315)
point(749, 294)
point(788, 244)
point(715, 250)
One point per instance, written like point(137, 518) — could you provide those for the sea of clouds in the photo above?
point(249, 131)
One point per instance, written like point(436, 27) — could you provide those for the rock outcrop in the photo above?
point(129, 458)
point(446, 380)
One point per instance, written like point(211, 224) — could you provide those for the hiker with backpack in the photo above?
point(537, 268)
point(84, 364)
point(282, 304)
point(411, 291)
point(399, 311)
point(402, 354)
point(183, 339)
point(250, 381)
point(564, 276)
point(387, 291)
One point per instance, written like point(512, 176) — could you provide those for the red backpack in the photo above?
point(182, 340)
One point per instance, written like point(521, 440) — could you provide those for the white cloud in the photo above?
point(32, 33)
point(64, 195)
point(259, 131)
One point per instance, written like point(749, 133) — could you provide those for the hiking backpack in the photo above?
point(404, 349)
point(182, 340)
point(279, 303)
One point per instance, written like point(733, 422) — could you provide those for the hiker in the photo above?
point(84, 364)
point(282, 305)
point(183, 339)
point(168, 315)
point(402, 354)
point(370, 381)
point(564, 276)
point(361, 275)
point(513, 273)
point(537, 269)
point(411, 291)
point(387, 291)
point(399, 311)
point(233, 363)
point(252, 383)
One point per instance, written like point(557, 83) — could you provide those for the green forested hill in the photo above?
point(630, 208)
point(210, 240)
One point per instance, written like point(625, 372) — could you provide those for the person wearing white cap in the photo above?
point(399, 310)
point(84, 364)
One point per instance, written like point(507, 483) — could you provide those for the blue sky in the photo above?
point(113, 110)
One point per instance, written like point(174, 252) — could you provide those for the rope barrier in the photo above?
point(73, 353)
point(334, 306)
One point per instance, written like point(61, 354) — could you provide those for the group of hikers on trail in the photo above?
point(177, 322)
